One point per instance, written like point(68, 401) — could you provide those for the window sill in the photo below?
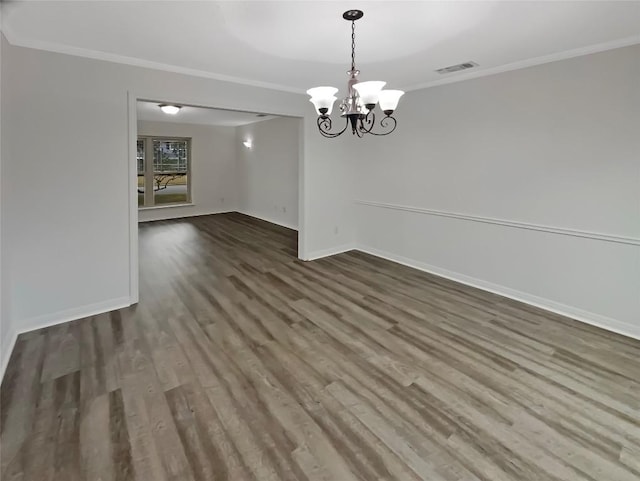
point(166, 206)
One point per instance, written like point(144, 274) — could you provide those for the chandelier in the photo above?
point(359, 104)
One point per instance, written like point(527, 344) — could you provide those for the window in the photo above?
point(164, 172)
point(140, 158)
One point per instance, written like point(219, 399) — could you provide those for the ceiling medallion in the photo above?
point(358, 106)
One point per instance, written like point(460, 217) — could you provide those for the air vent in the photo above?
point(457, 68)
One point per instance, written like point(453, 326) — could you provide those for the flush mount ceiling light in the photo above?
point(358, 106)
point(170, 109)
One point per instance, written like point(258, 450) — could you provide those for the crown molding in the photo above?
point(137, 62)
point(554, 57)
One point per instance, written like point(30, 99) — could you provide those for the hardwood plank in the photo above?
point(242, 362)
point(95, 448)
point(206, 461)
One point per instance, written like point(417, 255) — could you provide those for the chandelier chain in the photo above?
point(353, 45)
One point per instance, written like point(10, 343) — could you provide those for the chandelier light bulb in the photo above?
point(389, 100)
point(369, 91)
point(323, 103)
point(322, 92)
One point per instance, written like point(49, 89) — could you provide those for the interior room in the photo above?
point(292, 240)
point(204, 161)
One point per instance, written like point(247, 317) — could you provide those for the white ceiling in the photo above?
point(294, 45)
point(197, 115)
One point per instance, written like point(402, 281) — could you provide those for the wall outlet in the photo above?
point(335, 230)
point(222, 200)
point(284, 209)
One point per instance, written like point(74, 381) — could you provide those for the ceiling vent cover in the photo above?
point(457, 68)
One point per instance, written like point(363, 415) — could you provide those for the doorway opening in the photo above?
point(205, 160)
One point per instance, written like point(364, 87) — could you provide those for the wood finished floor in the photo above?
point(243, 363)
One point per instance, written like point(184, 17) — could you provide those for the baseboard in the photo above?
point(181, 216)
point(47, 320)
point(7, 349)
point(587, 317)
point(67, 315)
point(268, 219)
point(312, 256)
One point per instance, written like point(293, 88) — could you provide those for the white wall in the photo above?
point(65, 176)
point(267, 174)
point(213, 165)
point(555, 146)
point(329, 180)
point(6, 332)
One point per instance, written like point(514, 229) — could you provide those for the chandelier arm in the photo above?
point(369, 120)
point(384, 124)
point(325, 124)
